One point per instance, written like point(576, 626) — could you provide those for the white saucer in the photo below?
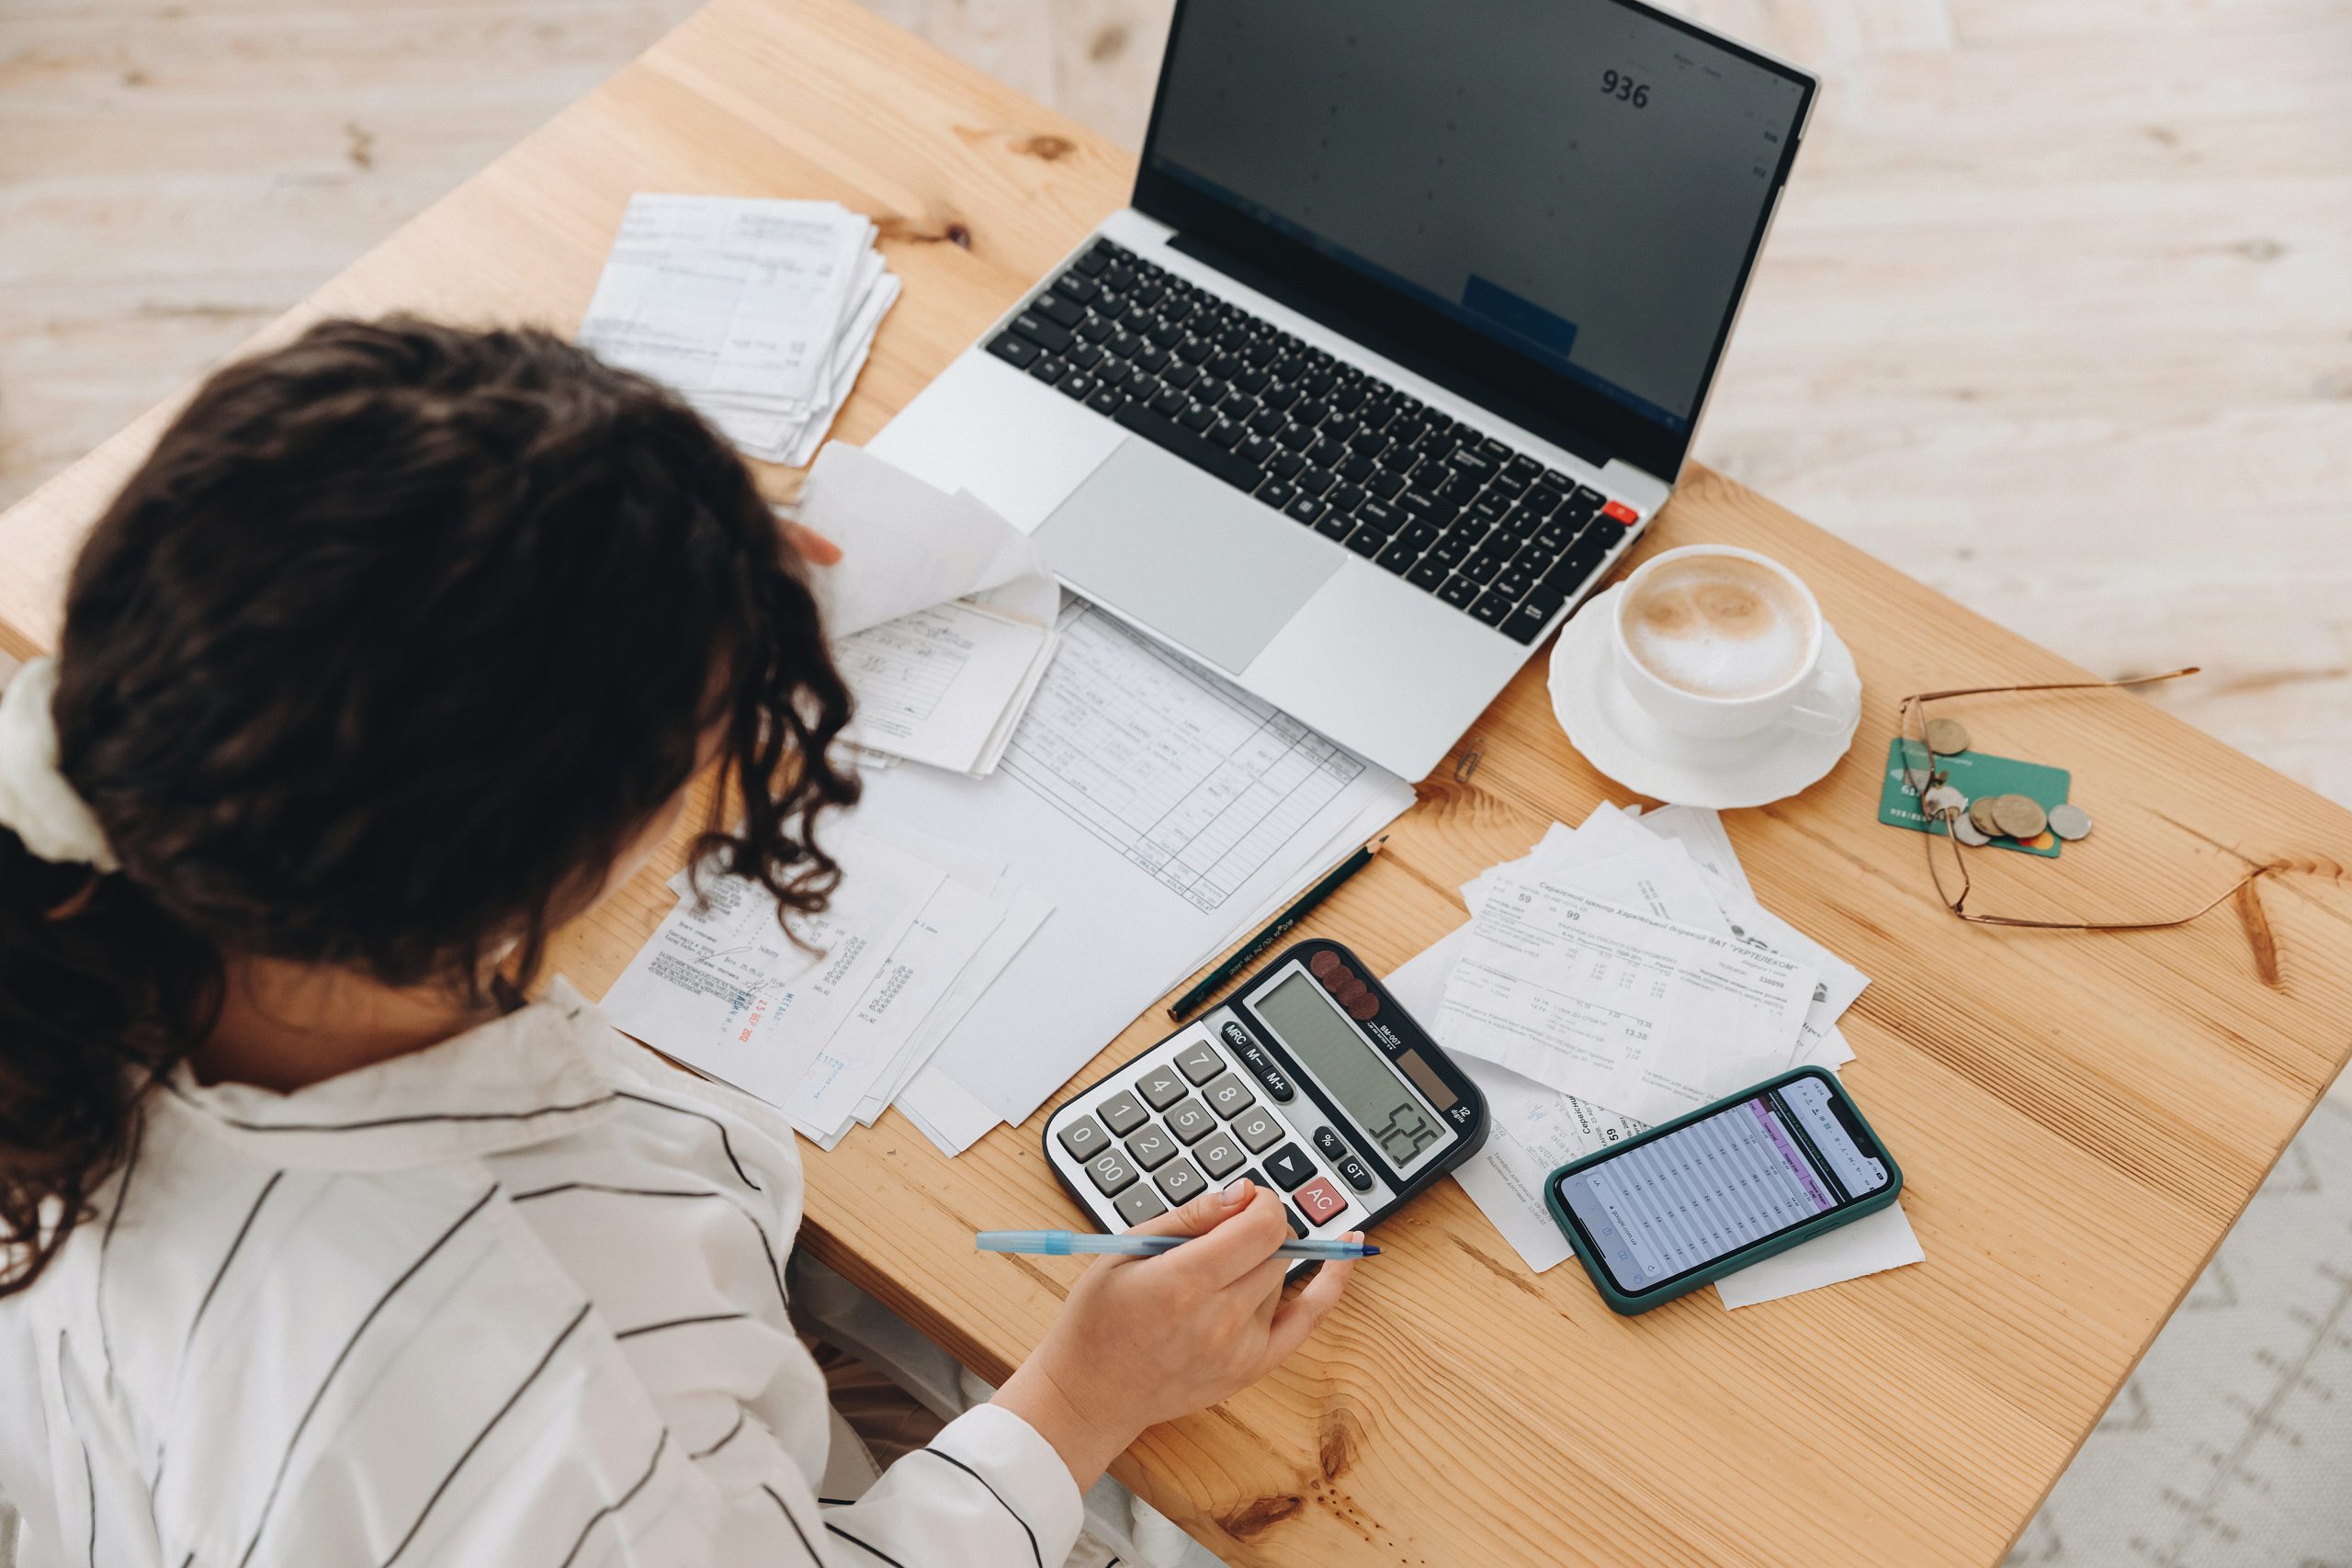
point(1619, 736)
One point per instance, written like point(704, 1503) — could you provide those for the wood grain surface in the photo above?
point(2080, 1117)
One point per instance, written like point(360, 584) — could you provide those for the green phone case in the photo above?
point(1618, 1302)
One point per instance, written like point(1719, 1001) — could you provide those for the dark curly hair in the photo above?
point(381, 660)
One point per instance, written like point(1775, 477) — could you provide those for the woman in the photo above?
point(321, 1244)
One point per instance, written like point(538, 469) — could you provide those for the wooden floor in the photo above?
point(2057, 315)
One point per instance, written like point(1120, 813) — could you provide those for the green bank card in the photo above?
point(1974, 773)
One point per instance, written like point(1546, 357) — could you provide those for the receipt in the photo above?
point(941, 613)
point(1531, 1130)
point(1615, 1005)
point(1701, 831)
point(946, 933)
point(1675, 864)
point(727, 296)
point(1837, 983)
point(944, 685)
point(720, 986)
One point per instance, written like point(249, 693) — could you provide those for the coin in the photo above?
point(1980, 812)
point(1966, 829)
point(1944, 801)
point(2019, 817)
point(1947, 736)
point(2069, 820)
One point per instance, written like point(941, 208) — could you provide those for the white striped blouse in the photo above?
point(516, 1300)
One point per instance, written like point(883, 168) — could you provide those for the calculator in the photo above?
point(1311, 1081)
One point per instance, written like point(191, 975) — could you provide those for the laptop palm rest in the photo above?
point(1195, 560)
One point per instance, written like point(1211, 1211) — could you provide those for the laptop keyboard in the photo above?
point(1447, 508)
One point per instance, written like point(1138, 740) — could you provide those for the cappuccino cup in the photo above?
point(1715, 642)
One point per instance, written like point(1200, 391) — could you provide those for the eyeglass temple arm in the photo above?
point(2234, 888)
point(2053, 686)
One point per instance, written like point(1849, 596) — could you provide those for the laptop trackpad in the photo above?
point(1187, 555)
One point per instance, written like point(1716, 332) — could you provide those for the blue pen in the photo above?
point(1061, 1243)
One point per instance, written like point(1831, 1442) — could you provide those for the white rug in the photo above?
point(2232, 1445)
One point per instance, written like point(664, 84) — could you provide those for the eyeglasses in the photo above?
point(1914, 710)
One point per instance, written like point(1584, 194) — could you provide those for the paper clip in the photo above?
point(1467, 764)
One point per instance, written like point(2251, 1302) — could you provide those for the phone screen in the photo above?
point(1661, 1207)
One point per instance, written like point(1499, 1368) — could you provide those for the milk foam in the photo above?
point(1718, 627)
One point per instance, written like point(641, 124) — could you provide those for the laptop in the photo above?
point(1400, 344)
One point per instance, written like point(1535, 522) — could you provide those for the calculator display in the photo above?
point(1666, 1206)
point(1357, 1076)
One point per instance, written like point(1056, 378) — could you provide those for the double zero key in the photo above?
point(1111, 1172)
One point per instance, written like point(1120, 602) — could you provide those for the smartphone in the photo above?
point(1709, 1193)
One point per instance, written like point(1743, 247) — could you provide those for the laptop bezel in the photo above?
point(1561, 410)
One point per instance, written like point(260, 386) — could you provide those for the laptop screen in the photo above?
point(1581, 183)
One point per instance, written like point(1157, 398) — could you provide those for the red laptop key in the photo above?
point(1621, 513)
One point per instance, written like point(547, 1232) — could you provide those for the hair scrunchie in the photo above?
point(36, 801)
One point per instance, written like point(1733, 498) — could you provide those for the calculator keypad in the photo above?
point(1112, 1173)
point(1201, 1062)
point(1229, 1095)
point(1123, 1113)
point(1193, 1120)
point(1163, 1087)
point(1138, 1204)
point(1258, 1129)
point(1219, 1155)
point(1289, 1166)
point(1190, 1121)
point(1180, 1181)
point(1318, 1201)
point(1254, 1057)
point(1297, 1226)
point(1151, 1147)
point(1085, 1138)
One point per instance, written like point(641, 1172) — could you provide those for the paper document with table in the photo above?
point(1622, 974)
point(1084, 819)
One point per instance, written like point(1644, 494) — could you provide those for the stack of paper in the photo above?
point(1154, 811)
point(1620, 975)
point(1164, 812)
point(830, 1021)
point(761, 312)
point(941, 613)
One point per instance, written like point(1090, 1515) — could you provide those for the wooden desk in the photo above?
point(2081, 1117)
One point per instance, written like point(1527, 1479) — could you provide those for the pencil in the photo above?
point(1061, 1243)
point(1192, 1001)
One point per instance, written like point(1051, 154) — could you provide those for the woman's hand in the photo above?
point(814, 548)
point(1143, 1340)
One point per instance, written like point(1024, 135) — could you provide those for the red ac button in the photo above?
point(1320, 1201)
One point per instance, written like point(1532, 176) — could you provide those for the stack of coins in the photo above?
point(1980, 821)
point(2020, 816)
